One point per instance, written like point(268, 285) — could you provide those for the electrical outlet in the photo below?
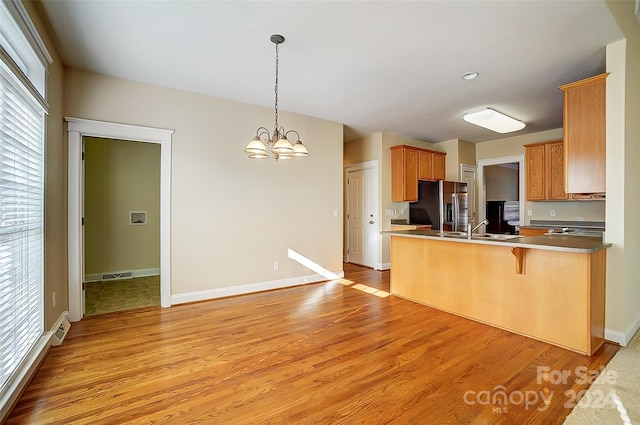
point(276, 266)
point(529, 213)
point(335, 212)
point(553, 213)
point(53, 299)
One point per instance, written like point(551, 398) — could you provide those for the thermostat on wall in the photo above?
point(137, 218)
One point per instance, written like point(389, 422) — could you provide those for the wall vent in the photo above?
point(117, 276)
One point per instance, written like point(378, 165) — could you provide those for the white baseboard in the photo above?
point(623, 338)
point(228, 291)
point(383, 266)
point(97, 277)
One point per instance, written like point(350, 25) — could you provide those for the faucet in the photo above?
point(470, 230)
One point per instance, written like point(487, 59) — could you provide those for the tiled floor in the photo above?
point(116, 295)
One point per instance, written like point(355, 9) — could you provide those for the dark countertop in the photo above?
point(557, 242)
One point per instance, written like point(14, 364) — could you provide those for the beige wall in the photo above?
point(623, 175)
point(458, 152)
point(121, 176)
point(232, 217)
point(501, 183)
point(55, 279)
point(368, 148)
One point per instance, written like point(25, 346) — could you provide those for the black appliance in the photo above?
point(442, 204)
point(500, 214)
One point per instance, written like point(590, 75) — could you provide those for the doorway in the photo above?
point(489, 190)
point(121, 225)
point(78, 129)
point(362, 222)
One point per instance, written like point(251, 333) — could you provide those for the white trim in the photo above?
point(21, 377)
point(482, 194)
point(384, 266)
point(95, 277)
point(623, 338)
point(228, 291)
point(22, 18)
point(77, 129)
point(375, 165)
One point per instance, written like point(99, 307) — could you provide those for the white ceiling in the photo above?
point(376, 66)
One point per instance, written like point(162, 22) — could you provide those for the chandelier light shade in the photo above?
point(276, 144)
point(493, 120)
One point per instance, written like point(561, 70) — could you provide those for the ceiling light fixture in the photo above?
point(469, 75)
point(277, 143)
point(493, 120)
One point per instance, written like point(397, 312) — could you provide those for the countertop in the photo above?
point(558, 242)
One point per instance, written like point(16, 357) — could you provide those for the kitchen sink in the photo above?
point(453, 234)
point(494, 236)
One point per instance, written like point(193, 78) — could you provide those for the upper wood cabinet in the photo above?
point(410, 164)
point(404, 174)
point(545, 171)
point(431, 165)
point(585, 135)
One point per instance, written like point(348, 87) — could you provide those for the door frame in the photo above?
point(77, 129)
point(373, 164)
point(474, 169)
point(482, 193)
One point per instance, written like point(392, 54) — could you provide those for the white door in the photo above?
point(363, 227)
point(468, 174)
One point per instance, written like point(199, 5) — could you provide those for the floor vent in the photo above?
point(117, 276)
point(63, 326)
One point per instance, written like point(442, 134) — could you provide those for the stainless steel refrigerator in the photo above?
point(443, 204)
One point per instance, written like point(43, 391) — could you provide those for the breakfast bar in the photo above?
point(551, 288)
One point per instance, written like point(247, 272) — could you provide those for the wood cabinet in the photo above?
point(554, 296)
point(410, 227)
point(404, 174)
point(410, 164)
point(585, 135)
point(431, 165)
point(545, 171)
point(532, 231)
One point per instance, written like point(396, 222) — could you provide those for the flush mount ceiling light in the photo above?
point(493, 120)
point(277, 143)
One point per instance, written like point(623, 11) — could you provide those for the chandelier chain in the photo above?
point(276, 90)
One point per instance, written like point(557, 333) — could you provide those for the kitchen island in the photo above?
point(550, 288)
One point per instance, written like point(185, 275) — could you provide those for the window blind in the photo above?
point(21, 223)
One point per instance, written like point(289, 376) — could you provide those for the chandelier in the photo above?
point(278, 142)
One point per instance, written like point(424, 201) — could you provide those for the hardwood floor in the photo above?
point(324, 353)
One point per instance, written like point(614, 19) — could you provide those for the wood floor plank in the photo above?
point(326, 353)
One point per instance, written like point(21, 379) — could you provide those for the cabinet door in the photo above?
point(585, 134)
point(535, 172)
point(425, 165)
point(555, 171)
point(438, 166)
point(404, 174)
point(410, 175)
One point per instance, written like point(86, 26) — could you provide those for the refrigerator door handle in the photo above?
point(456, 212)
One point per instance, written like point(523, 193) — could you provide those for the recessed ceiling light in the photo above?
point(469, 75)
point(493, 120)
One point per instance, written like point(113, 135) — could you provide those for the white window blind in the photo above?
point(21, 223)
